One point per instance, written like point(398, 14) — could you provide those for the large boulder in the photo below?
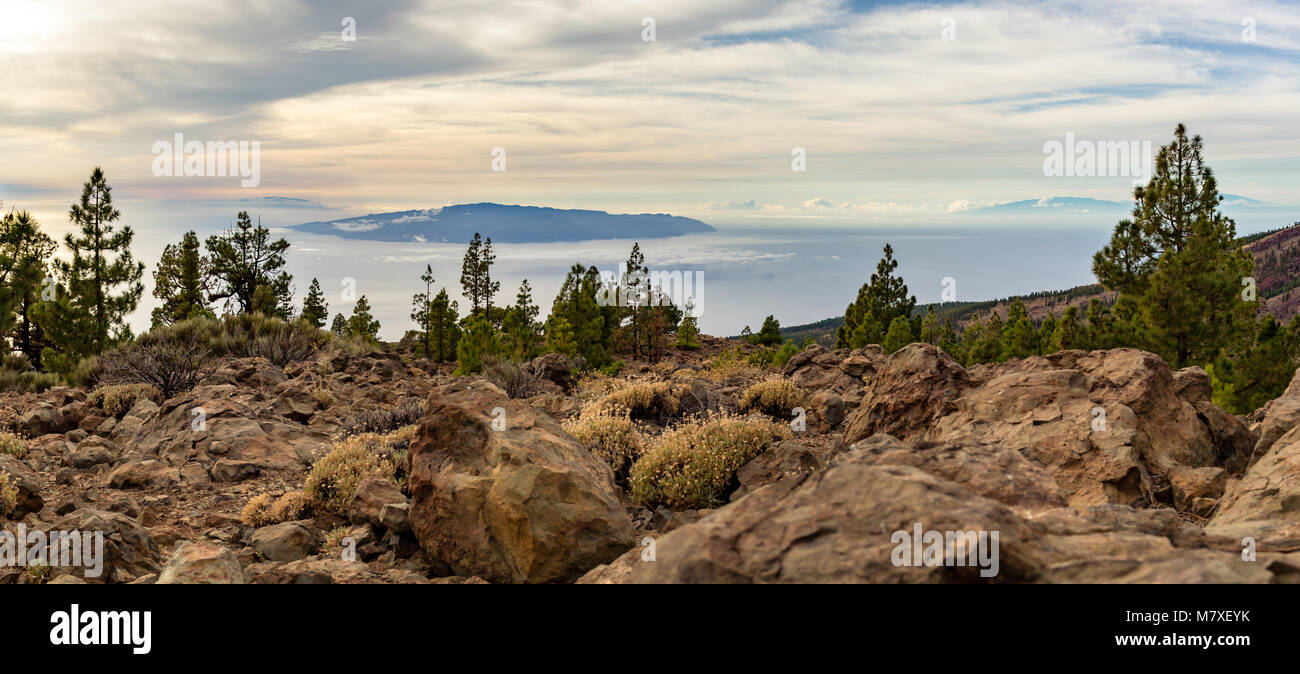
point(285, 542)
point(41, 419)
point(202, 563)
point(525, 503)
point(1109, 426)
point(909, 391)
point(1270, 489)
point(991, 471)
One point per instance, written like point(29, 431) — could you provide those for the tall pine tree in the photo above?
point(181, 281)
point(1177, 258)
point(99, 285)
point(879, 302)
point(248, 269)
point(314, 308)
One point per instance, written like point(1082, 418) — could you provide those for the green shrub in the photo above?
point(691, 465)
point(86, 372)
point(28, 382)
point(15, 362)
point(613, 368)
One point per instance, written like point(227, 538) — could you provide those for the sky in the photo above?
point(900, 110)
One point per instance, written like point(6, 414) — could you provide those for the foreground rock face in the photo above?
point(523, 504)
point(833, 526)
point(1109, 426)
point(1270, 489)
point(841, 525)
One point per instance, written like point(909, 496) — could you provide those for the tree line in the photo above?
point(1184, 285)
point(58, 311)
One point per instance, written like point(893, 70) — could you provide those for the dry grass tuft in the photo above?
point(690, 465)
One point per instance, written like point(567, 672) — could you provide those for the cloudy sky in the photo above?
point(903, 109)
point(892, 115)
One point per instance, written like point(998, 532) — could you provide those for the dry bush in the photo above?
point(323, 397)
point(406, 412)
point(256, 512)
point(171, 364)
point(13, 444)
point(775, 396)
point(691, 465)
point(334, 539)
point(117, 399)
point(278, 341)
point(291, 506)
point(610, 435)
point(646, 400)
point(8, 494)
point(333, 480)
point(516, 379)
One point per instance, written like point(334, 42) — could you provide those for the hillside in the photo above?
point(1277, 276)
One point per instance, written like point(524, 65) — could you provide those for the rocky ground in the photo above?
point(1093, 467)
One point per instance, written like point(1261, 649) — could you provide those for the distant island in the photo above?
point(505, 224)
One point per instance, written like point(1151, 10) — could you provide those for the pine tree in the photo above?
point(339, 326)
point(1046, 333)
point(1258, 368)
point(88, 315)
point(444, 322)
point(1067, 334)
point(1178, 259)
point(24, 262)
point(476, 276)
point(422, 311)
point(478, 342)
point(1019, 338)
point(985, 345)
point(688, 333)
point(591, 323)
point(899, 335)
point(879, 302)
point(770, 333)
point(181, 281)
point(361, 323)
point(931, 332)
point(487, 287)
point(315, 310)
point(559, 337)
point(522, 332)
point(245, 259)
